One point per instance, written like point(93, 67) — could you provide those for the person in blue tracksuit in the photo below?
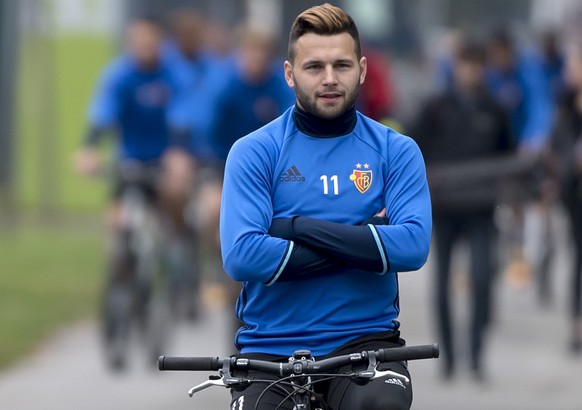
point(131, 99)
point(518, 83)
point(321, 209)
point(253, 94)
point(199, 75)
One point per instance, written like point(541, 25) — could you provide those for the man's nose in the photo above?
point(330, 76)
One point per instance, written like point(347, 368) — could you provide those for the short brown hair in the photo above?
point(324, 20)
point(253, 35)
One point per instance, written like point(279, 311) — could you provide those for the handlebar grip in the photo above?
point(189, 363)
point(408, 353)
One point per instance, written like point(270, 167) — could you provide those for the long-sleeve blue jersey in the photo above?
point(135, 101)
point(243, 106)
point(280, 172)
point(198, 81)
point(526, 95)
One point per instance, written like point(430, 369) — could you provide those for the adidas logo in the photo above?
point(292, 175)
point(396, 382)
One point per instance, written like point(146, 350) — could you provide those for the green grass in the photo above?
point(56, 79)
point(49, 278)
point(51, 275)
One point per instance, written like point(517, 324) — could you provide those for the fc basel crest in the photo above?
point(362, 179)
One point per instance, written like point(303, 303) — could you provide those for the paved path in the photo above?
point(527, 361)
point(68, 373)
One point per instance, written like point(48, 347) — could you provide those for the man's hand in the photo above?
point(379, 219)
point(88, 161)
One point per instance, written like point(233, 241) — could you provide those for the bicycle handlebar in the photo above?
point(299, 366)
point(189, 363)
point(409, 353)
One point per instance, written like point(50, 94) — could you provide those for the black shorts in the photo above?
point(339, 393)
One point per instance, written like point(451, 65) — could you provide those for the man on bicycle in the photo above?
point(320, 210)
point(132, 99)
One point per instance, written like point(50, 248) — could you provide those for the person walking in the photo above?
point(459, 126)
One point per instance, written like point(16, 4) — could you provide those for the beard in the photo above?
point(312, 105)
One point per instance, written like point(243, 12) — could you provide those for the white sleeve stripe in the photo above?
point(282, 268)
point(380, 249)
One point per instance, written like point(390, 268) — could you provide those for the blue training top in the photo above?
point(193, 107)
point(280, 172)
point(526, 95)
point(242, 107)
point(135, 101)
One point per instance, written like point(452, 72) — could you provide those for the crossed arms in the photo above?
point(258, 248)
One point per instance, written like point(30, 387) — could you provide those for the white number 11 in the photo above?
point(325, 184)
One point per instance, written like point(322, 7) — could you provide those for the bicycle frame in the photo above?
point(135, 291)
point(140, 221)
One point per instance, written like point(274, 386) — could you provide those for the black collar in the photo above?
point(324, 128)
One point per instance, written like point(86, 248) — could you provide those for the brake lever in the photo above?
point(205, 385)
point(372, 373)
point(385, 373)
point(222, 381)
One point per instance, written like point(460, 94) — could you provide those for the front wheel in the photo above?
point(116, 326)
point(117, 307)
point(158, 328)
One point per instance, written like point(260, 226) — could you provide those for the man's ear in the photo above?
point(289, 74)
point(363, 69)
